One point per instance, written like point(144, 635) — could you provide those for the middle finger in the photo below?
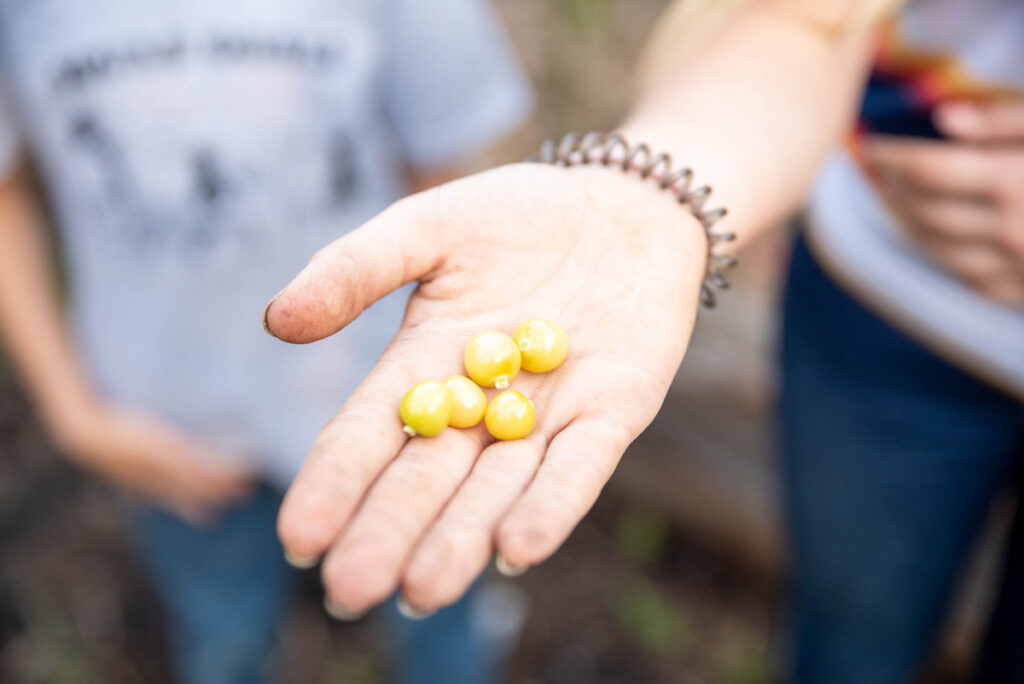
point(931, 215)
point(936, 166)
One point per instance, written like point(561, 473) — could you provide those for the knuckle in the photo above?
point(358, 283)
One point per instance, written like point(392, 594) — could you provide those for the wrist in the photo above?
point(611, 155)
point(647, 212)
point(75, 424)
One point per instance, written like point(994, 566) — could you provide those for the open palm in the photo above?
point(613, 260)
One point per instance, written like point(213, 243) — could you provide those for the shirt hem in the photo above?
point(896, 318)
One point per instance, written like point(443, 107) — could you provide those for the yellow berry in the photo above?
point(542, 345)
point(492, 359)
point(426, 408)
point(469, 402)
point(509, 416)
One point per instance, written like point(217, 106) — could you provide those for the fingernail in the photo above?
point(339, 613)
point(506, 568)
point(266, 310)
point(410, 611)
point(300, 562)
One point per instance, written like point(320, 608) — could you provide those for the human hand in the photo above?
point(962, 199)
point(615, 261)
point(156, 461)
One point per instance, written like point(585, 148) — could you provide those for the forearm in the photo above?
point(754, 111)
point(32, 326)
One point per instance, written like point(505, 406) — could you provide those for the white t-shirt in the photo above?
point(198, 152)
point(938, 49)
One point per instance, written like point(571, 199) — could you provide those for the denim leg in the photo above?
point(442, 648)
point(891, 457)
point(225, 588)
point(1002, 654)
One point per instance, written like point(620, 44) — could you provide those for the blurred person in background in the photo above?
point(903, 351)
point(196, 153)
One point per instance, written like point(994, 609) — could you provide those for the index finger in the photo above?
point(934, 166)
point(1000, 120)
point(396, 247)
point(351, 451)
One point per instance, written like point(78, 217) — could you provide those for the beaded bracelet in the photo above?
point(613, 150)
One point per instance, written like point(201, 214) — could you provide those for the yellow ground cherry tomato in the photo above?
point(542, 345)
point(469, 402)
point(509, 416)
point(426, 408)
point(492, 359)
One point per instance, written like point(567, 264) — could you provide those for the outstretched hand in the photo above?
point(612, 259)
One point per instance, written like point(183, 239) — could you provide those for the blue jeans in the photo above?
point(891, 457)
point(226, 588)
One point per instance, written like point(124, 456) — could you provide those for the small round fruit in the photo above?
point(542, 345)
point(509, 416)
point(426, 408)
point(492, 359)
point(469, 402)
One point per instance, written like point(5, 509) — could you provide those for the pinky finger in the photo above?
point(578, 463)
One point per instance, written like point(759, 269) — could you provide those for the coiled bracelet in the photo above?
point(613, 150)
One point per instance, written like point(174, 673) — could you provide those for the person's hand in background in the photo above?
point(962, 199)
point(138, 452)
point(615, 261)
point(152, 459)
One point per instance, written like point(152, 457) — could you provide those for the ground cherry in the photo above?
point(542, 345)
point(492, 359)
point(509, 416)
point(469, 401)
point(426, 408)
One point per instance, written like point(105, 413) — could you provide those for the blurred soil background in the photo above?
point(675, 577)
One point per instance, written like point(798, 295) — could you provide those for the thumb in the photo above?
point(997, 120)
point(398, 246)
